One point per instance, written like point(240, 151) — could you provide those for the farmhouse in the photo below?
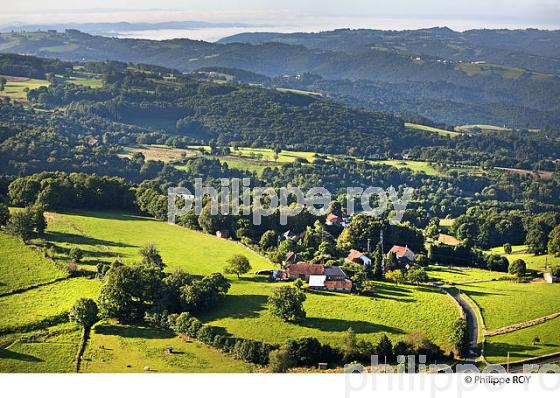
point(358, 257)
point(404, 256)
point(320, 277)
point(304, 271)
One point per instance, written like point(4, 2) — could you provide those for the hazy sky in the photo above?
point(398, 14)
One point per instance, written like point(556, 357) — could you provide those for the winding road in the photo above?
point(473, 351)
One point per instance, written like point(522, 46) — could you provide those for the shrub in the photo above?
point(76, 254)
point(279, 361)
point(518, 268)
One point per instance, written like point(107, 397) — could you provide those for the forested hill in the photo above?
point(531, 49)
point(155, 99)
point(490, 84)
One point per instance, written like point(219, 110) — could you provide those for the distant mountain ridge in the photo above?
point(433, 63)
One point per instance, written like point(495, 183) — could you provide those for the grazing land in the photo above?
point(104, 236)
point(244, 312)
point(51, 350)
point(135, 349)
point(520, 343)
point(21, 266)
point(505, 303)
point(17, 87)
point(429, 129)
point(25, 309)
point(534, 262)
point(414, 165)
point(396, 311)
point(457, 275)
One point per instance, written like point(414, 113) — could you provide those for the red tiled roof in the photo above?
point(354, 255)
point(333, 218)
point(345, 284)
point(306, 269)
point(400, 251)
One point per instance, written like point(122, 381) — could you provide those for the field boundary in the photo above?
point(82, 349)
point(522, 325)
point(36, 286)
point(42, 324)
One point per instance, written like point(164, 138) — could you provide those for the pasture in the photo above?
point(104, 236)
point(396, 311)
point(534, 262)
point(457, 275)
point(17, 87)
point(505, 303)
point(429, 129)
point(129, 349)
point(415, 166)
point(520, 343)
point(22, 266)
point(25, 309)
point(51, 350)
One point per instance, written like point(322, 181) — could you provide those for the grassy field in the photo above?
point(126, 349)
point(396, 311)
point(51, 350)
point(452, 275)
point(414, 165)
point(429, 129)
point(507, 303)
point(21, 266)
point(536, 263)
point(16, 87)
point(520, 343)
point(88, 81)
point(23, 309)
point(105, 236)
point(486, 128)
point(244, 312)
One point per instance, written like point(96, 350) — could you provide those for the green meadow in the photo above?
point(22, 266)
point(25, 309)
point(505, 303)
point(534, 262)
point(396, 311)
point(51, 350)
point(429, 129)
point(105, 236)
point(16, 88)
point(415, 166)
point(520, 343)
point(457, 275)
point(132, 349)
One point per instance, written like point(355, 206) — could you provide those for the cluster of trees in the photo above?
point(486, 228)
point(24, 223)
point(129, 292)
point(59, 190)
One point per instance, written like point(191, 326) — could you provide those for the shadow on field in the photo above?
point(60, 237)
point(338, 325)
point(397, 293)
point(7, 354)
point(245, 306)
point(515, 350)
point(133, 332)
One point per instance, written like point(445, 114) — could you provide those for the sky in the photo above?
point(295, 15)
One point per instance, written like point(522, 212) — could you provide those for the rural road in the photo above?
point(473, 351)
